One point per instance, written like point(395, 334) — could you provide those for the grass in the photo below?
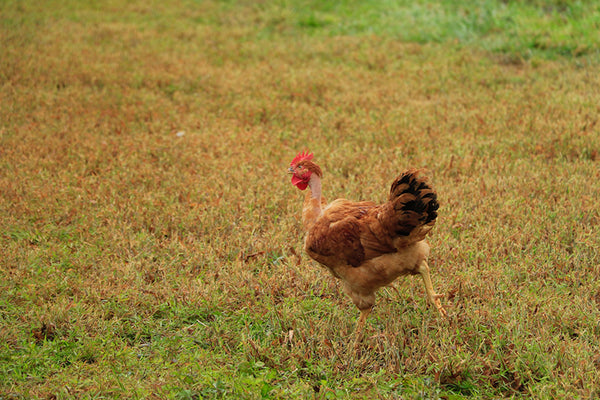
point(522, 28)
point(150, 236)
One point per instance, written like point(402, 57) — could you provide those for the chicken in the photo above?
point(365, 245)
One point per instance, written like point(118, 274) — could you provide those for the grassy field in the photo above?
point(150, 237)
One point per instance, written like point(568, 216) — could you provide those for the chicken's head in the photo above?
point(302, 169)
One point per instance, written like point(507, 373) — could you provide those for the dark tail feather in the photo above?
point(412, 204)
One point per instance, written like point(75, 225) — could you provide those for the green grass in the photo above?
point(521, 28)
point(140, 262)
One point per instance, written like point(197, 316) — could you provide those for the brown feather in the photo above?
point(367, 245)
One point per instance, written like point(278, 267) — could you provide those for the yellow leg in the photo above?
point(360, 326)
point(433, 297)
point(391, 285)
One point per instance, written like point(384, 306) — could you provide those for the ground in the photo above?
point(151, 238)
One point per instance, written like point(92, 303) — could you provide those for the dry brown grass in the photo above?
point(139, 262)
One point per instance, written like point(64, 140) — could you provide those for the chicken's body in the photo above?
point(365, 245)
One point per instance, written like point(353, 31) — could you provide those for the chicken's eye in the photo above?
point(299, 166)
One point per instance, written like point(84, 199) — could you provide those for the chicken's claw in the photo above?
point(434, 298)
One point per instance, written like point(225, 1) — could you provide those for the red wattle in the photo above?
point(300, 183)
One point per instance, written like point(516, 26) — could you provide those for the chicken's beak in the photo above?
point(290, 170)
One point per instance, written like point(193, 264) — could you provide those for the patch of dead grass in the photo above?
point(146, 246)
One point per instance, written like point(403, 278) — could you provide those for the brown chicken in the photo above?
point(366, 245)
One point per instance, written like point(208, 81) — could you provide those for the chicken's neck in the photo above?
point(312, 202)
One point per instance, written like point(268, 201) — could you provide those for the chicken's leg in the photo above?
point(433, 297)
point(360, 325)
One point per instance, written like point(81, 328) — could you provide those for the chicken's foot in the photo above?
point(433, 297)
point(360, 325)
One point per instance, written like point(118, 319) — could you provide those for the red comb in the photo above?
point(305, 155)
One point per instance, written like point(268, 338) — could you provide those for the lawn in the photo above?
point(150, 236)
